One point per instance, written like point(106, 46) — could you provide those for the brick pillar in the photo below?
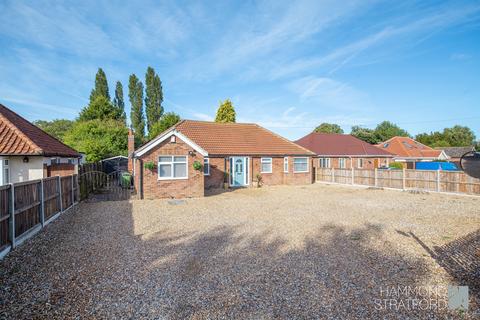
point(131, 149)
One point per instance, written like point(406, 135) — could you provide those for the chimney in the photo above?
point(131, 149)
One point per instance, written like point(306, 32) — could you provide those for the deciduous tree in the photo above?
point(135, 94)
point(153, 98)
point(166, 121)
point(101, 86)
point(56, 128)
point(328, 128)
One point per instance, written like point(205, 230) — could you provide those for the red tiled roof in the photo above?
point(408, 148)
point(334, 144)
point(238, 139)
point(20, 137)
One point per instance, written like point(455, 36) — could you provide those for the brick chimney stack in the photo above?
point(131, 149)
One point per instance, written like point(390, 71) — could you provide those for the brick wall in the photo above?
point(278, 176)
point(59, 169)
point(180, 188)
point(368, 163)
point(217, 173)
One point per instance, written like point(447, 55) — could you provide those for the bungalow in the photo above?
point(408, 151)
point(344, 151)
point(456, 153)
point(29, 153)
point(193, 156)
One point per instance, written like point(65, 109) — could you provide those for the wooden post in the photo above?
point(353, 175)
point(438, 180)
point(376, 178)
point(333, 174)
point(73, 193)
point(59, 184)
point(42, 204)
point(403, 179)
point(12, 215)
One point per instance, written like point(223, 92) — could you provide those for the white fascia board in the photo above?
point(164, 137)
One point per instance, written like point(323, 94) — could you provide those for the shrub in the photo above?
point(197, 165)
point(395, 165)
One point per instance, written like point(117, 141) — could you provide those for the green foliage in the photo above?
point(135, 94)
point(100, 108)
point(328, 128)
point(197, 165)
point(386, 130)
point(225, 112)
point(101, 86)
point(395, 165)
point(149, 165)
point(457, 136)
point(166, 121)
point(56, 128)
point(153, 98)
point(98, 139)
point(365, 134)
point(118, 101)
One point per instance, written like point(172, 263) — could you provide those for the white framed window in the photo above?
point(5, 172)
point(266, 165)
point(324, 162)
point(300, 164)
point(360, 162)
point(285, 164)
point(172, 167)
point(341, 163)
point(206, 166)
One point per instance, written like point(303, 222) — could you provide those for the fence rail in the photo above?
point(436, 181)
point(26, 207)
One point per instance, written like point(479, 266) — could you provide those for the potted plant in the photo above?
point(197, 165)
point(258, 180)
point(149, 165)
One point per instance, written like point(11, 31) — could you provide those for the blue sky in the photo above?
point(285, 65)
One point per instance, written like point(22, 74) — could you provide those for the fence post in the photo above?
point(12, 215)
point(376, 177)
point(403, 179)
point(353, 175)
point(438, 180)
point(59, 184)
point(42, 204)
point(73, 193)
point(333, 174)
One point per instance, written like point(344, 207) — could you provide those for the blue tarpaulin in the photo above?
point(447, 166)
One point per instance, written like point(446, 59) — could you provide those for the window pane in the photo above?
point(206, 166)
point(180, 170)
point(180, 159)
point(165, 159)
point(6, 175)
point(165, 170)
point(266, 167)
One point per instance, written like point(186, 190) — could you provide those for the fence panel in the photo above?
point(421, 179)
point(4, 216)
point(27, 206)
point(342, 175)
point(364, 177)
point(51, 197)
point(67, 196)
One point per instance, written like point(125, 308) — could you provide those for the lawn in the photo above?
point(317, 251)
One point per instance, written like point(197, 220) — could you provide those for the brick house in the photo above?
point(230, 154)
point(408, 151)
point(344, 151)
point(29, 153)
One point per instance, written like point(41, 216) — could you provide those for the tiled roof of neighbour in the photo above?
point(20, 137)
point(408, 148)
point(238, 139)
point(456, 152)
point(334, 144)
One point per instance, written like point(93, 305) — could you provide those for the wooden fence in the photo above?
point(91, 178)
point(26, 207)
point(436, 181)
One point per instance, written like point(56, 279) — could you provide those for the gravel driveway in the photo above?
point(317, 251)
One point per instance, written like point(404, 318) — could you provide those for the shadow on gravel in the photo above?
point(91, 264)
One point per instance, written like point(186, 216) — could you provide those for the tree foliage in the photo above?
point(118, 101)
point(365, 134)
point(386, 130)
point(225, 112)
point(135, 94)
point(56, 128)
point(166, 121)
point(100, 108)
point(101, 86)
point(98, 139)
point(328, 128)
point(457, 136)
point(153, 98)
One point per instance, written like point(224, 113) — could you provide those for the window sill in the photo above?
point(166, 179)
point(266, 172)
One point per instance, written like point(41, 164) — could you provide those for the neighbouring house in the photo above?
point(408, 151)
point(455, 153)
point(193, 156)
point(344, 151)
point(29, 153)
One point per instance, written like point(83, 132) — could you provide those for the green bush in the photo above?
point(395, 165)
